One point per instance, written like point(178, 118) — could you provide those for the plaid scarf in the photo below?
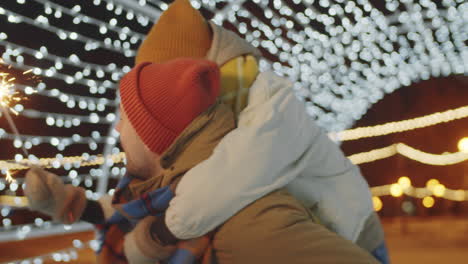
point(128, 213)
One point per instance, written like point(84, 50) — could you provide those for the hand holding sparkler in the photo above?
point(45, 191)
point(8, 96)
point(47, 194)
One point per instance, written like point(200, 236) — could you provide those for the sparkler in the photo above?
point(8, 96)
point(9, 177)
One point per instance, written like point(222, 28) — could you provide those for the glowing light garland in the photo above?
point(411, 153)
point(360, 158)
point(50, 7)
point(401, 126)
point(80, 161)
point(404, 187)
point(90, 43)
point(69, 79)
point(43, 53)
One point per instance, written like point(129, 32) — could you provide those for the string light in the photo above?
point(13, 201)
point(400, 126)
point(411, 153)
point(463, 145)
point(59, 61)
point(78, 18)
point(56, 75)
point(90, 43)
point(82, 161)
point(433, 187)
point(404, 182)
point(360, 158)
point(428, 202)
point(377, 203)
point(28, 141)
point(396, 190)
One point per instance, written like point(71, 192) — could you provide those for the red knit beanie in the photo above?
point(161, 100)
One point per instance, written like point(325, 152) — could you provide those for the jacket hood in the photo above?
point(226, 45)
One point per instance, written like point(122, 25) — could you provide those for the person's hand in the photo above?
point(141, 248)
point(47, 194)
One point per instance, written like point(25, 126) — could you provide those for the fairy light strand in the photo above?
point(401, 126)
point(9, 46)
point(78, 18)
point(65, 34)
point(411, 153)
point(433, 188)
point(360, 158)
point(83, 161)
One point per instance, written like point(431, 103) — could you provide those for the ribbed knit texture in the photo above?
point(181, 31)
point(161, 100)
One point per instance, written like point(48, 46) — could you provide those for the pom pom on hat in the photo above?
point(161, 100)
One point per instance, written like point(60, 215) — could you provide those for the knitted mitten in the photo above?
point(47, 194)
point(140, 247)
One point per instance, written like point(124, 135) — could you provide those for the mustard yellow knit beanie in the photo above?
point(181, 31)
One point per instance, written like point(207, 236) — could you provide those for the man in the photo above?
point(171, 122)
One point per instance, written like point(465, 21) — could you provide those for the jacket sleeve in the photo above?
point(256, 158)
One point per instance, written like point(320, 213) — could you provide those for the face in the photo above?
point(141, 162)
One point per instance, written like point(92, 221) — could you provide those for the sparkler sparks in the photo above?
point(9, 178)
point(8, 96)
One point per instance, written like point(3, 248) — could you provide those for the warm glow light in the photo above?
point(428, 202)
point(433, 187)
point(431, 184)
point(49, 162)
point(439, 190)
point(409, 152)
point(377, 203)
point(9, 178)
point(7, 94)
point(404, 125)
point(463, 145)
point(460, 195)
point(404, 182)
point(396, 190)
